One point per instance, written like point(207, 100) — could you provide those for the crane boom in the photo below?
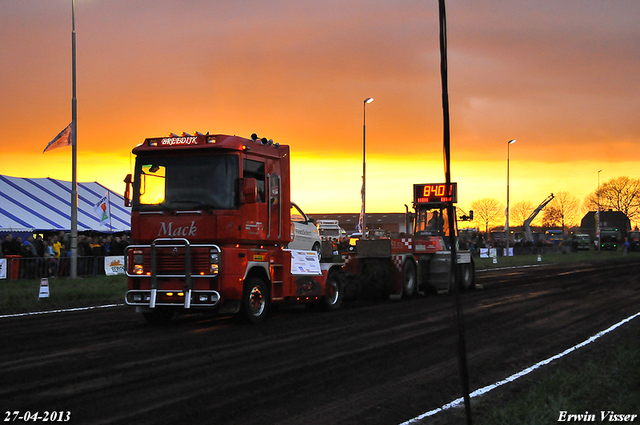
point(527, 222)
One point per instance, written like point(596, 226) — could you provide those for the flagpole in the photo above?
point(74, 153)
point(109, 205)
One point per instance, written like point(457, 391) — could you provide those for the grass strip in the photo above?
point(19, 296)
point(610, 257)
point(595, 384)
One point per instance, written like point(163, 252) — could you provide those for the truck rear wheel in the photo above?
point(466, 277)
point(409, 278)
point(255, 301)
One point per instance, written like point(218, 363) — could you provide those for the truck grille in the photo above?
point(173, 258)
point(171, 261)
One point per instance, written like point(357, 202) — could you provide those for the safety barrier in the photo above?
point(38, 267)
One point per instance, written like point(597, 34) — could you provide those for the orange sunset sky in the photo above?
point(560, 77)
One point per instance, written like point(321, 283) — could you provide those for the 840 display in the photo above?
point(434, 193)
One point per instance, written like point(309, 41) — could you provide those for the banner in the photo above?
point(305, 263)
point(114, 265)
point(103, 211)
point(3, 268)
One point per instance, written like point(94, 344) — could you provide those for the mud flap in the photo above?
point(229, 307)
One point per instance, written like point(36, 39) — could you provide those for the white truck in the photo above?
point(304, 234)
point(330, 230)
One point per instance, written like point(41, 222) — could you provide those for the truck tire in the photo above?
point(467, 278)
point(334, 291)
point(255, 300)
point(409, 279)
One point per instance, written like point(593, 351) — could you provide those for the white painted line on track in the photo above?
point(520, 374)
point(66, 310)
point(525, 266)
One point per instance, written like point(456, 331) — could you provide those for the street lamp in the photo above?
point(364, 165)
point(509, 143)
point(598, 215)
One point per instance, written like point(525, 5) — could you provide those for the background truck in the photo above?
point(330, 230)
point(211, 222)
point(610, 239)
point(580, 241)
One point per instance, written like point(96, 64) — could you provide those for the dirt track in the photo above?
point(377, 362)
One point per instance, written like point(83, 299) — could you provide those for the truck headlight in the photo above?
point(138, 259)
point(214, 261)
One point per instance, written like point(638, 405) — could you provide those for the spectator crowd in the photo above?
point(50, 256)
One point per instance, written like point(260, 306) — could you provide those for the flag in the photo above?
point(62, 139)
point(103, 210)
point(361, 218)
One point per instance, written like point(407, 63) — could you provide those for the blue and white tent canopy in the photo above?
point(45, 204)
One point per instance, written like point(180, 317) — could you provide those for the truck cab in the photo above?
point(212, 229)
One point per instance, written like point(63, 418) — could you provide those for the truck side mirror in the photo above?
point(127, 191)
point(249, 191)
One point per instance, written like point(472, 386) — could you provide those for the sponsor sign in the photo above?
point(305, 263)
point(114, 265)
point(488, 252)
point(44, 288)
point(463, 257)
point(3, 268)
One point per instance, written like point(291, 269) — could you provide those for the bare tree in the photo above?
point(590, 202)
point(562, 211)
point(622, 194)
point(487, 212)
point(551, 216)
point(520, 212)
point(618, 194)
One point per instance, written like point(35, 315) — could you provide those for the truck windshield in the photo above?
point(432, 222)
point(179, 182)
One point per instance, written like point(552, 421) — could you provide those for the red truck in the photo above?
point(211, 223)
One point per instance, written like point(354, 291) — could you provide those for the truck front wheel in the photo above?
point(333, 291)
point(255, 301)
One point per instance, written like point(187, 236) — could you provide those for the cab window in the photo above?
point(255, 169)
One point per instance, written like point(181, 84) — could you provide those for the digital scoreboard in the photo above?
point(434, 193)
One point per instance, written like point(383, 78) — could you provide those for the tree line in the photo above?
point(565, 210)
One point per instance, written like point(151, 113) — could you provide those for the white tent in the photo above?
point(44, 204)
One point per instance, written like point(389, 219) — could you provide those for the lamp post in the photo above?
point(364, 165)
point(598, 215)
point(509, 143)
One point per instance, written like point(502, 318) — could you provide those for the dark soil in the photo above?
point(373, 362)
